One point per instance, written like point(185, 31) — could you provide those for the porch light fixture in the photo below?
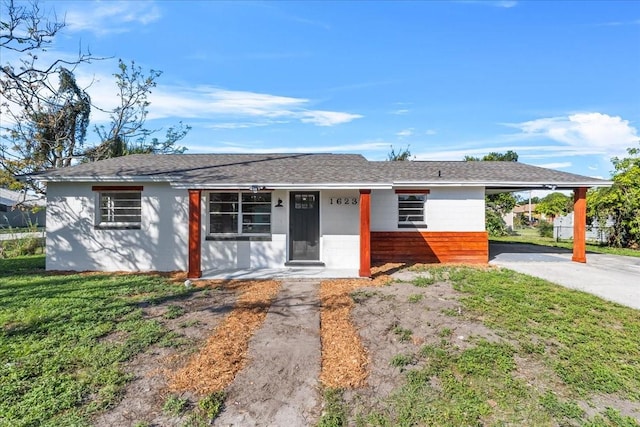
point(256, 188)
point(279, 205)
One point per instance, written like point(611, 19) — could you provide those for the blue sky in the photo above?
point(557, 82)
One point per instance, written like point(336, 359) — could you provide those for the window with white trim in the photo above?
point(120, 209)
point(241, 213)
point(411, 210)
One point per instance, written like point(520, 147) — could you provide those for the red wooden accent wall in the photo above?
point(117, 188)
point(430, 246)
point(365, 233)
point(579, 224)
point(195, 208)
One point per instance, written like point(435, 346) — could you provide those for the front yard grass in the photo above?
point(64, 339)
point(565, 358)
point(555, 356)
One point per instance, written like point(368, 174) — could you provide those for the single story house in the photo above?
point(209, 212)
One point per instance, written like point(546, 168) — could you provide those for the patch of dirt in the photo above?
point(224, 354)
point(271, 350)
point(344, 359)
point(145, 395)
point(400, 319)
point(279, 386)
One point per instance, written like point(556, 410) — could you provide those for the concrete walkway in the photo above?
point(612, 277)
point(279, 385)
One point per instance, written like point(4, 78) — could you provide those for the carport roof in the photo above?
point(308, 170)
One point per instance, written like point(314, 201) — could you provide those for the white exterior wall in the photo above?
point(229, 254)
point(446, 209)
point(340, 228)
point(339, 236)
point(73, 242)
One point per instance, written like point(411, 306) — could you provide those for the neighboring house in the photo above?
point(210, 212)
point(563, 229)
point(17, 209)
point(527, 211)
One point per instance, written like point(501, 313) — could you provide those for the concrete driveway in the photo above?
point(612, 277)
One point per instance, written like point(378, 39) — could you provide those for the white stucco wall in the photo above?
point(446, 209)
point(73, 242)
point(339, 236)
point(229, 254)
point(340, 228)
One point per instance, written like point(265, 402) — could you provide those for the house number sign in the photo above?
point(343, 201)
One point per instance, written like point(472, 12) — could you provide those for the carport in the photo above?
point(579, 208)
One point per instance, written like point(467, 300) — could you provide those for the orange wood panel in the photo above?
point(579, 224)
point(365, 233)
point(195, 246)
point(117, 188)
point(429, 247)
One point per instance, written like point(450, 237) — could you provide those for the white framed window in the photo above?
point(411, 210)
point(239, 213)
point(119, 207)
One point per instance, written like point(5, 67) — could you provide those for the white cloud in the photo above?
point(211, 103)
point(505, 4)
point(405, 133)
point(238, 125)
point(110, 17)
point(556, 165)
point(326, 118)
point(619, 23)
point(592, 133)
point(224, 109)
point(400, 111)
point(430, 132)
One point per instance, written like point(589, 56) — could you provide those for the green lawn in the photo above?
point(530, 235)
point(55, 367)
point(574, 348)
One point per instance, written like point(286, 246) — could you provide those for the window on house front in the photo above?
point(120, 209)
point(411, 210)
point(239, 213)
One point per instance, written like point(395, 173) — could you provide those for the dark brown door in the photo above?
point(304, 226)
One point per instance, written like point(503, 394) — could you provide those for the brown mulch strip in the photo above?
point(224, 354)
point(344, 359)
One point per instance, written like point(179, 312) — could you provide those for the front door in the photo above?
point(304, 226)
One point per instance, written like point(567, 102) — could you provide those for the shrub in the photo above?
point(495, 224)
point(545, 229)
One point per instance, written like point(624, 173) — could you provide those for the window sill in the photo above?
point(240, 238)
point(117, 227)
point(417, 225)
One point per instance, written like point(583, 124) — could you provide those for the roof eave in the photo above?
point(506, 184)
point(282, 186)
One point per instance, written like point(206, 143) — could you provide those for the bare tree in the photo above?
point(126, 133)
point(41, 102)
point(403, 154)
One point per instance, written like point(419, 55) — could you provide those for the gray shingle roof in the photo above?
point(193, 170)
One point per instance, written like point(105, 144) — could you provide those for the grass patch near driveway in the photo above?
point(591, 344)
point(64, 339)
point(531, 235)
point(548, 356)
